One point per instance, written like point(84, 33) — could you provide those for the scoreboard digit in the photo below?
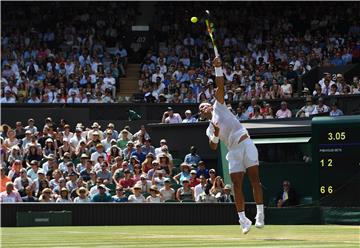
point(335, 153)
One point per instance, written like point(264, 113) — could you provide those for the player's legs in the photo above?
point(253, 174)
point(237, 180)
point(251, 162)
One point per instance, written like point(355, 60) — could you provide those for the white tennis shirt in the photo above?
point(230, 128)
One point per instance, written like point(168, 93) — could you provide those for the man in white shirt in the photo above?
point(156, 75)
point(99, 151)
point(243, 154)
point(199, 190)
point(75, 140)
point(170, 117)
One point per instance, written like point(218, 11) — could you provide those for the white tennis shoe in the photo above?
point(259, 221)
point(245, 225)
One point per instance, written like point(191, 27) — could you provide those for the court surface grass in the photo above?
point(303, 236)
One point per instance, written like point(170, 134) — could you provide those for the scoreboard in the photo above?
point(335, 155)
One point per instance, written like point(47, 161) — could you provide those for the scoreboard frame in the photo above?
point(335, 153)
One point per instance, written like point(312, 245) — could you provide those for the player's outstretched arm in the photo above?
point(219, 80)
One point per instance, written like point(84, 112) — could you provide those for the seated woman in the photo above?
point(185, 192)
point(154, 196)
point(136, 197)
point(185, 173)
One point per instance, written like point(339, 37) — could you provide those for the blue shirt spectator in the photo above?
point(192, 157)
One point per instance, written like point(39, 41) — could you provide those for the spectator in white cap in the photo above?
point(193, 181)
point(158, 149)
point(188, 117)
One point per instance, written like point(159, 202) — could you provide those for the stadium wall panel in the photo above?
point(93, 214)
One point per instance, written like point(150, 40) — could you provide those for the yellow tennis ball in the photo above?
point(194, 19)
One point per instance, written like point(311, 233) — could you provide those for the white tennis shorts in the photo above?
point(242, 156)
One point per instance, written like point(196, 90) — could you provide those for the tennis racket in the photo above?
point(210, 29)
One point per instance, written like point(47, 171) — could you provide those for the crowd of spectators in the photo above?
point(263, 54)
point(59, 163)
point(64, 52)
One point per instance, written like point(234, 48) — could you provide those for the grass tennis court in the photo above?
point(325, 236)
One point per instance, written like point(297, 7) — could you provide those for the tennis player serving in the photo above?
point(242, 156)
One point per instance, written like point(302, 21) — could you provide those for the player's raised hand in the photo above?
point(217, 62)
point(216, 128)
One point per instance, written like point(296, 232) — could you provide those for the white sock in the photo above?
point(260, 209)
point(242, 216)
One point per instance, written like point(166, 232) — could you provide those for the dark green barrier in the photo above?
point(46, 218)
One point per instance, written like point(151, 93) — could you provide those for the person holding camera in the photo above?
point(170, 117)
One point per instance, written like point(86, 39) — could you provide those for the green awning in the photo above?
point(284, 140)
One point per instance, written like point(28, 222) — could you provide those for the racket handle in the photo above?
point(216, 51)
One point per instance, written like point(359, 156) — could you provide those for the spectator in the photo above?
point(192, 158)
point(217, 188)
point(127, 182)
point(170, 117)
point(147, 164)
point(104, 174)
point(119, 197)
point(227, 196)
point(124, 138)
point(287, 197)
point(188, 117)
point(22, 182)
point(335, 111)
point(147, 148)
point(82, 197)
point(29, 195)
point(154, 196)
point(167, 193)
point(193, 181)
point(199, 190)
point(185, 173)
point(102, 195)
point(141, 135)
point(201, 170)
point(306, 110)
point(138, 153)
point(158, 178)
point(46, 195)
point(4, 179)
point(320, 107)
point(185, 193)
point(145, 184)
point(64, 196)
point(136, 197)
point(283, 112)
point(158, 149)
